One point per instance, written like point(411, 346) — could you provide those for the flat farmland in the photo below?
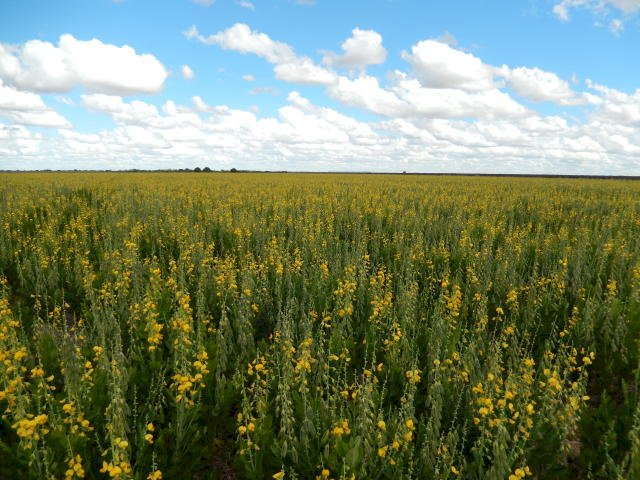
point(222, 326)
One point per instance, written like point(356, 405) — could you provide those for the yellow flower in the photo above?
point(382, 451)
point(155, 475)
point(149, 438)
point(454, 470)
point(278, 476)
point(381, 425)
point(413, 376)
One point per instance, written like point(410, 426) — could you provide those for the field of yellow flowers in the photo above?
point(228, 326)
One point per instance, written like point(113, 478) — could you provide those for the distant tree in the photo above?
point(197, 169)
point(206, 169)
point(233, 170)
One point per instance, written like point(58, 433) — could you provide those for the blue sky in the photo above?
point(548, 86)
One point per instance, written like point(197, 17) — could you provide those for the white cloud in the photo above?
point(40, 66)
point(363, 48)
point(616, 107)
point(139, 113)
point(455, 103)
point(438, 65)
point(288, 66)
point(187, 72)
point(242, 39)
point(248, 78)
point(365, 92)
point(601, 8)
point(246, 4)
point(27, 108)
point(305, 136)
point(304, 71)
point(446, 82)
point(561, 10)
point(541, 86)
point(12, 99)
point(450, 112)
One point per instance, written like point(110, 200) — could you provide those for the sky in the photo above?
point(478, 86)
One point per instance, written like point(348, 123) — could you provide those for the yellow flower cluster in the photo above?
point(31, 428)
point(188, 385)
point(304, 358)
point(341, 428)
point(116, 470)
point(75, 469)
point(78, 424)
point(520, 473)
point(155, 475)
point(413, 376)
point(453, 301)
point(149, 435)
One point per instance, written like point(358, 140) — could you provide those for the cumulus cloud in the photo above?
point(40, 66)
point(363, 48)
point(449, 111)
point(288, 66)
point(539, 85)
point(241, 38)
point(365, 92)
point(187, 72)
point(438, 65)
point(455, 103)
point(305, 72)
point(306, 136)
point(27, 108)
point(450, 83)
point(616, 107)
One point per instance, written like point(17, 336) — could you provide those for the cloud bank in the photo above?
point(446, 111)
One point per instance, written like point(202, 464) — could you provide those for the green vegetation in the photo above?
point(318, 326)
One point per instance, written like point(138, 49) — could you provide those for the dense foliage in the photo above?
point(318, 326)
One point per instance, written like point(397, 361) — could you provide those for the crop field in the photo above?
point(294, 326)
